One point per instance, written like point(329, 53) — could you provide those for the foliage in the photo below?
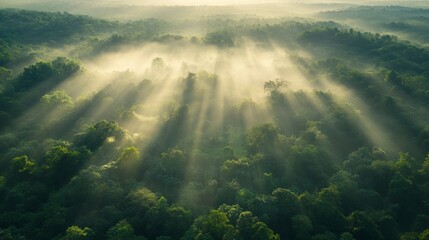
point(57, 97)
point(95, 135)
point(76, 233)
point(122, 230)
point(174, 155)
point(220, 39)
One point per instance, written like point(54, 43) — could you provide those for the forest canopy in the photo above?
point(215, 126)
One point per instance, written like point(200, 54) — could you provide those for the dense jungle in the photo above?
point(210, 120)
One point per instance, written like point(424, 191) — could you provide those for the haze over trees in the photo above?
point(223, 124)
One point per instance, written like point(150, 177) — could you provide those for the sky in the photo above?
point(237, 2)
point(208, 2)
point(135, 9)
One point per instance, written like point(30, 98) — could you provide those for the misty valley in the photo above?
point(249, 120)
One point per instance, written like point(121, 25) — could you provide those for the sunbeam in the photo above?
point(247, 119)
